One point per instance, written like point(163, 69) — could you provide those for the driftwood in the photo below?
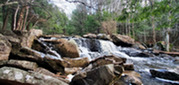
point(165, 52)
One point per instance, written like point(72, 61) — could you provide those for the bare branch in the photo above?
point(8, 3)
point(81, 2)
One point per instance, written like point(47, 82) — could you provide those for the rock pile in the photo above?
point(22, 65)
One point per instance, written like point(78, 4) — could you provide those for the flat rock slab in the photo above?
point(23, 64)
point(17, 76)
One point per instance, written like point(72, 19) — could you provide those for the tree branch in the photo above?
point(8, 3)
point(81, 2)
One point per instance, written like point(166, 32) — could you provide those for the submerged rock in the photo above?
point(14, 76)
point(165, 74)
point(5, 48)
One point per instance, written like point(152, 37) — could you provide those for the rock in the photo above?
point(72, 70)
point(49, 62)
point(165, 74)
point(76, 62)
point(90, 35)
point(102, 75)
point(129, 78)
point(53, 36)
point(119, 69)
point(67, 48)
point(5, 48)
point(46, 72)
point(128, 66)
point(108, 60)
point(160, 45)
point(176, 60)
point(36, 32)
point(122, 40)
point(103, 37)
point(22, 64)
point(38, 46)
point(14, 76)
point(138, 46)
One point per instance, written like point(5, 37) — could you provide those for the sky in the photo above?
point(66, 6)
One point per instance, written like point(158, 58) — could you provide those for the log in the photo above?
point(165, 52)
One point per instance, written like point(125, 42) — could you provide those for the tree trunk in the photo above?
point(15, 18)
point(167, 40)
point(20, 20)
point(153, 30)
point(5, 18)
point(25, 20)
point(129, 26)
point(133, 33)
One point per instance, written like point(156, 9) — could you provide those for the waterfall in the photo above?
point(93, 48)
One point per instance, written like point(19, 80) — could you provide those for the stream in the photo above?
point(94, 48)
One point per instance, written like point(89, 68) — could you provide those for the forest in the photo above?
point(147, 21)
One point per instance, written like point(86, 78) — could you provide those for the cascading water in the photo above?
point(93, 48)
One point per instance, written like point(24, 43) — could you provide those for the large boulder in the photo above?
point(108, 60)
point(28, 38)
point(67, 48)
point(122, 40)
point(90, 35)
point(165, 74)
point(103, 36)
point(14, 76)
point(5, 48)
point(102, 75)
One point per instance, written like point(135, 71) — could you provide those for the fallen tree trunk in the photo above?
point(165, 52)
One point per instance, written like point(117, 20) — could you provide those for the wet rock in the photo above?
point(49, 62)
point(67, 48)
point(128, 66)
point(103, 37)
point(119, 69)
point(165, 74)
point(38, 46)
point(102, 75)
point(90, 35)
point(72, 70)
point(129, 78)
point(14, 76)
point(176, 60)
point(75, 62)
point(5, 48)
point(122, 40)
point(22, 64)
point(108, 60)
point(138, 46)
